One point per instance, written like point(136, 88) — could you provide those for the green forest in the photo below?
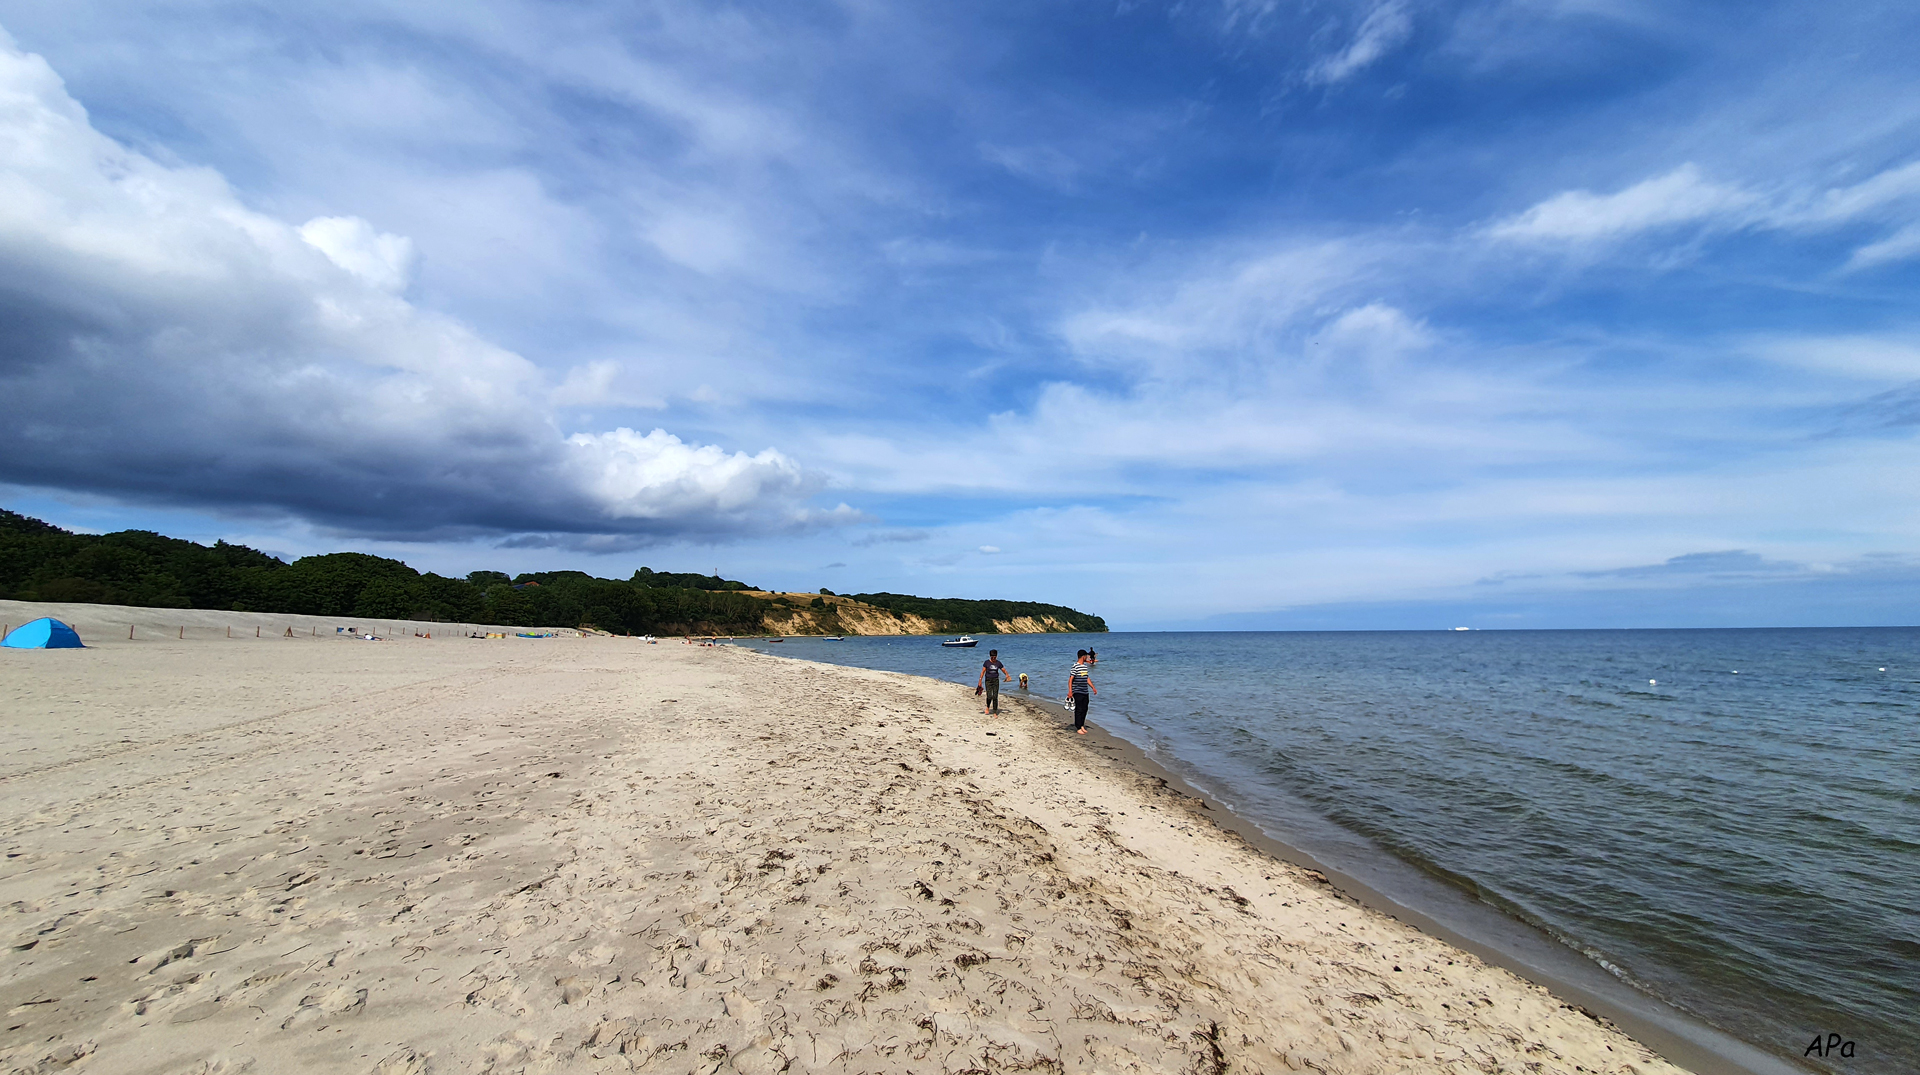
point(42, 562)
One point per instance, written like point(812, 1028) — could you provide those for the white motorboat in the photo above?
point(963, 642)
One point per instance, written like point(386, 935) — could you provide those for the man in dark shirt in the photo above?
point(990, 672)
point(1080, 688)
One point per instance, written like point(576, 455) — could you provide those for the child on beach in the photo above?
point(1080, 690)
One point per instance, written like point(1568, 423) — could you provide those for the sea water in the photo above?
point(1727, 820)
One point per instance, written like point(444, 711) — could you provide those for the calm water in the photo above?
point(1740, 838)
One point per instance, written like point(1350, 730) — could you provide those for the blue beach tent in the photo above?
point(43, 633)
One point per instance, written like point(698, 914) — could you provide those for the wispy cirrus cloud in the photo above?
point(1902, 245)
point(1687, 197)
point(1384, 29)
point(1682, 196)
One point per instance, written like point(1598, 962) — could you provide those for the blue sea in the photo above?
point(1726, 820)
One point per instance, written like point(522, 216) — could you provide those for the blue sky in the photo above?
point(1231, 313)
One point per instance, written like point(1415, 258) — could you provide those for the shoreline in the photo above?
point(1443, 911)
point(1678, 1035)
point(607, 856)
point(1487, 932)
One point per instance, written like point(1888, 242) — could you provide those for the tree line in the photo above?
point(42, 562)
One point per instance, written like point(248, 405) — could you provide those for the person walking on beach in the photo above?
point(1080, 690)
point(990, 672)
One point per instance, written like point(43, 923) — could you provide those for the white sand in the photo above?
point(597, 855)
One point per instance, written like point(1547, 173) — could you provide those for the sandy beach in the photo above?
point(312, 854)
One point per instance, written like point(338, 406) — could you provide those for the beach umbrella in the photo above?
point(43, 633)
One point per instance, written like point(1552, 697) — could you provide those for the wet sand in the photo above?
point(593, 854)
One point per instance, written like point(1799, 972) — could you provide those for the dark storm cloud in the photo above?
point(159, 341)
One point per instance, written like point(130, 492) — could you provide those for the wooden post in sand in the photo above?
point(256, 631)
point(229, 632)
point(183, 632)
point(129, 632)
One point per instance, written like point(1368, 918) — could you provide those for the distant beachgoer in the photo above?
point(1080, 690)
point(1092, 657)
point(990, 672)
point(1023, 681)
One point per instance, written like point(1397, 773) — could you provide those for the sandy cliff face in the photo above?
point(868, 620)
point(1032, 625)
point(854, 618)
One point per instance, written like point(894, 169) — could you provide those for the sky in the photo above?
point(1231, 314)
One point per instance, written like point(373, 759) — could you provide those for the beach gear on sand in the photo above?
point(43, 633)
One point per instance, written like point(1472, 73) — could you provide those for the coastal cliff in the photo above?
point(832, 614)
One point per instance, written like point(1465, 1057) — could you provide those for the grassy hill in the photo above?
point(42, 562)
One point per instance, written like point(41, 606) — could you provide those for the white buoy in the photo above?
point(1736, 671)
point(1883, 669)
point(1653, 682)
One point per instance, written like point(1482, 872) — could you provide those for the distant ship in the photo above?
point(1463, 628)
point(834, 638)
point(964, 641)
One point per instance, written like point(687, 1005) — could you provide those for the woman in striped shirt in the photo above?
point(1080, 690)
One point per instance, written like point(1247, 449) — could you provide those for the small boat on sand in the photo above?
point(963, 642)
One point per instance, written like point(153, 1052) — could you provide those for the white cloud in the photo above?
point(1383, 30)
point(1682, 196)
point(707, 242)
point(1860, 357)
point(1044, 165)
point(1247, 15)
point(1899, 246)
point(1686, 196)
point(990, 549)
point(164, 340)
point(382, 260)
point(1375, 334)
point(1871, 195)
point(1233, 307)
point(657, 476)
